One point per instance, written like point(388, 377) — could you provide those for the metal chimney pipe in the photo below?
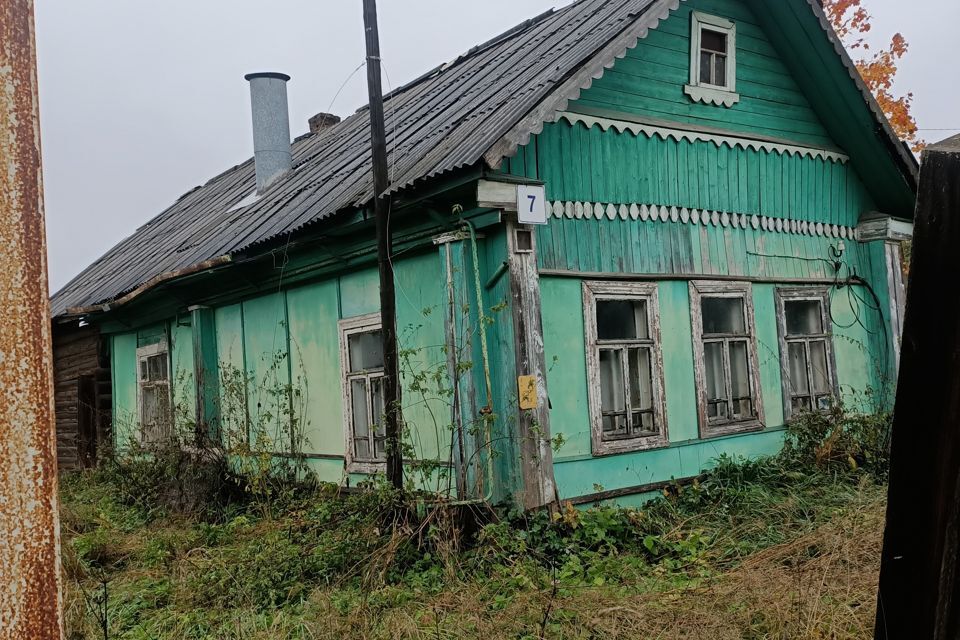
point(271, 126)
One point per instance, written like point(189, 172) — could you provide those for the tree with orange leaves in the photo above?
point(879, 69)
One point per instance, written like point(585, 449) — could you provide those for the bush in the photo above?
point(839, 438)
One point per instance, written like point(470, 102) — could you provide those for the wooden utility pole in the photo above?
point(381, 208)
point(919, 594)
point(30, 602)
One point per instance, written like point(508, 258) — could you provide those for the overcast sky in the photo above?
point(142, 100)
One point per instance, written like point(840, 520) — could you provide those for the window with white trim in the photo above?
point(153, 392)
point(724, 342)
point(806, 349)
point(713, 60)
point(624, 366)
point(361, 359)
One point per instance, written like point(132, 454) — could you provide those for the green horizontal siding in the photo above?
point(649, 80)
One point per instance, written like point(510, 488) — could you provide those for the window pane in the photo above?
point(800, 404)
point(641, 384)
point(706, 67)
point(644, 424)
point(157, 367)
point(818, 365)
point(144, 373)
point(720, 70)
point(804, 317)
point(622, 320)
point(366, 351)
point(612, 389)
point(376, 397)
point(798, 368)
point(713, 41)
point(149, 406)
point(739, 370)
point(723, 315)
point(713, 366)
point(361, 420)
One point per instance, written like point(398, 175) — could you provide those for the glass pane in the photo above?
point(149, 406)
point(612, 396)
point(818, 365)
point(376, 397)
point(641, 383)
point(742, 409)
point(713, 367)
point(739, 370)
point(720, 71)
point(157, 367)
point(706, 67)
point(803, 317)
point(366, 351)
point(824, 402)
point(144, 374)
point(797, 356)
point(800, 404)
point(713, 41)
point(614, 426)
point(723, 315)
point(645, 424)
point(163, 408)
point(622, 320)
point(361, 420)
point(717, 410)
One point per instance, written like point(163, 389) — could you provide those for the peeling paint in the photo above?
point(30, 601)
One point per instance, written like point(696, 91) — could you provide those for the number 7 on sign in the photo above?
point(531, 204)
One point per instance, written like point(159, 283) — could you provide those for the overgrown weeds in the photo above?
point(731, 552)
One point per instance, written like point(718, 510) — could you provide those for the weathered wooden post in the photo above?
point(919, 594)
point(30, 605)
point(381, 208)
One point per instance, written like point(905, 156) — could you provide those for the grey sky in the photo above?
point(141, 101)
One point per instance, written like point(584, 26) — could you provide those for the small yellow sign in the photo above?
point(527, 386)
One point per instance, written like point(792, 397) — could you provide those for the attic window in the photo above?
point(713, 60)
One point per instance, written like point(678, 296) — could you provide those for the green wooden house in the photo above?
point(629, 236)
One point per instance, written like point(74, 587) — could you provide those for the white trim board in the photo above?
point(665, 133)
point(685, 215)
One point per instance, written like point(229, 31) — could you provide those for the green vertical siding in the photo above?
point(123, 370)
point(315, 363)
point(268, 368)
point(593, 165)
point(183, 382)
point(232, 398)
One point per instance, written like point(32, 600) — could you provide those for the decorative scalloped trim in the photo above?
point(716, 97)
point(549, 109)
point(695, 136)
point(685, 215)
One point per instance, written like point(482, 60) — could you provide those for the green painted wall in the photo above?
point(593, 165)
point(123, 371)
point(182, 375)
point(577, 472)
point(650, 80)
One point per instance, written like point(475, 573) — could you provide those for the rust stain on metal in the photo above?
point(30, 600)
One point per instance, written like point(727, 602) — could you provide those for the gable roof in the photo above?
point(479, 107)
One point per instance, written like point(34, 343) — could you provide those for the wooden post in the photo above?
point(381, 207)
point(30, 601)
point(919, 594)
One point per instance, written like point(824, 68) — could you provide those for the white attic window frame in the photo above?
point(699, 91)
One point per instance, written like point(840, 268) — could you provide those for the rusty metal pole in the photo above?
point(30, 597)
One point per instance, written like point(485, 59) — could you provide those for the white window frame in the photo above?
point(698, 91)
point(594, 291)
point(821, 295)
point(149, 434)
point(725, 289)
point(348, 327)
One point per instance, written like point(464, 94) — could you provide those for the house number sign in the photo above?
point(531, 204)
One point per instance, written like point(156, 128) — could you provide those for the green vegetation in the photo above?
point(784, 547)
